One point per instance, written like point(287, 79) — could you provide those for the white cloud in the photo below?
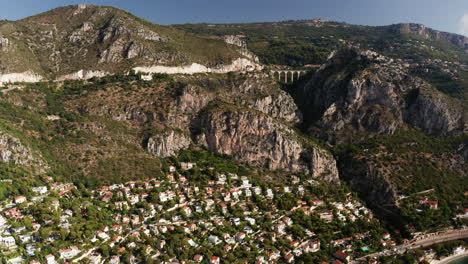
point(464, 25)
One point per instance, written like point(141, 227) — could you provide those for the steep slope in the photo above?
point(14, 152)
point(394, 134)
point(83, 41)
point(395, 173)
point(363, 94)
point(291, 41)
point(439, 57)
point(119, 127)
point(259, 140)
point(123, 125)
point(429, 33)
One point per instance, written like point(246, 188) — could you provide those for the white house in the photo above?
point(191, 242)
point(187, 165)
point(250, 220)
point(3, 221)
point(214, 260)
point(20, 199)
point(69, 252)
point(8, 241)
point(40, 189)
point(114, 259)
point(214, 240)
point(50, 259)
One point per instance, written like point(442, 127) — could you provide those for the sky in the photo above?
point(444, 15)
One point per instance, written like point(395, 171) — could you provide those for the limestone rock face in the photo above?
point(186, 106)
point(361, 93)
point(428, 33)
point(238, 65)
point(82, 75)
point(149, 35)
point(234, 40)
point(436, 114)
point(114, 53)
point(258, 140)
point(281, 106)
point(256, 92)
point(65, 40)
point(28, 76)
point(13, 151)
point(168, 143)
point(134, 51)
point(4, 43)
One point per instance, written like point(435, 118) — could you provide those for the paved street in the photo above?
point(419, 242)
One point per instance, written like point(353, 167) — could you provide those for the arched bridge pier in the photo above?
point(287, 76)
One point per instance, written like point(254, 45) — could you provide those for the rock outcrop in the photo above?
point(429, 33)
point(256, 91)
point(363, 94)
point(28, 76)
point(13, 151)
point(82, 75)
point(168, 143)
point(109, 40)
point(238, 65)
point(258, 140)
point(436, 113)
point(4, 43)
point(280, 106)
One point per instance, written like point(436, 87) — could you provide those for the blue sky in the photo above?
point(445, 15)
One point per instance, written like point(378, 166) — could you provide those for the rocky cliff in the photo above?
point(258, 140)
point(262, 137)
point(429, 33)
point(168, 143)
point(85, 41)
point(361, 93)
point(13, 151)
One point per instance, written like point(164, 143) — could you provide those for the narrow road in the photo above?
point(423, 241)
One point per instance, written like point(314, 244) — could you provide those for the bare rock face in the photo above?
point(13, 151)
point(363, 94)
point(436, 114)
point(258, 92)
point(149, 35)
point(114, 53)
point(280, 106)
point(258, 140)
point(4, 43)
point(168, 143)
point(189, 101)
point(133, 51)
point(428, 33)
point(234, 40)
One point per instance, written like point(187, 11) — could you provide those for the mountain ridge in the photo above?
point(104, 40)
point(133, 101)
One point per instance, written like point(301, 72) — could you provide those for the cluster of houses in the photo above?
point(452, 69)
point(13, 210)
point(220, 213)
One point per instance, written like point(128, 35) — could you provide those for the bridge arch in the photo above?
point(287, 76)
